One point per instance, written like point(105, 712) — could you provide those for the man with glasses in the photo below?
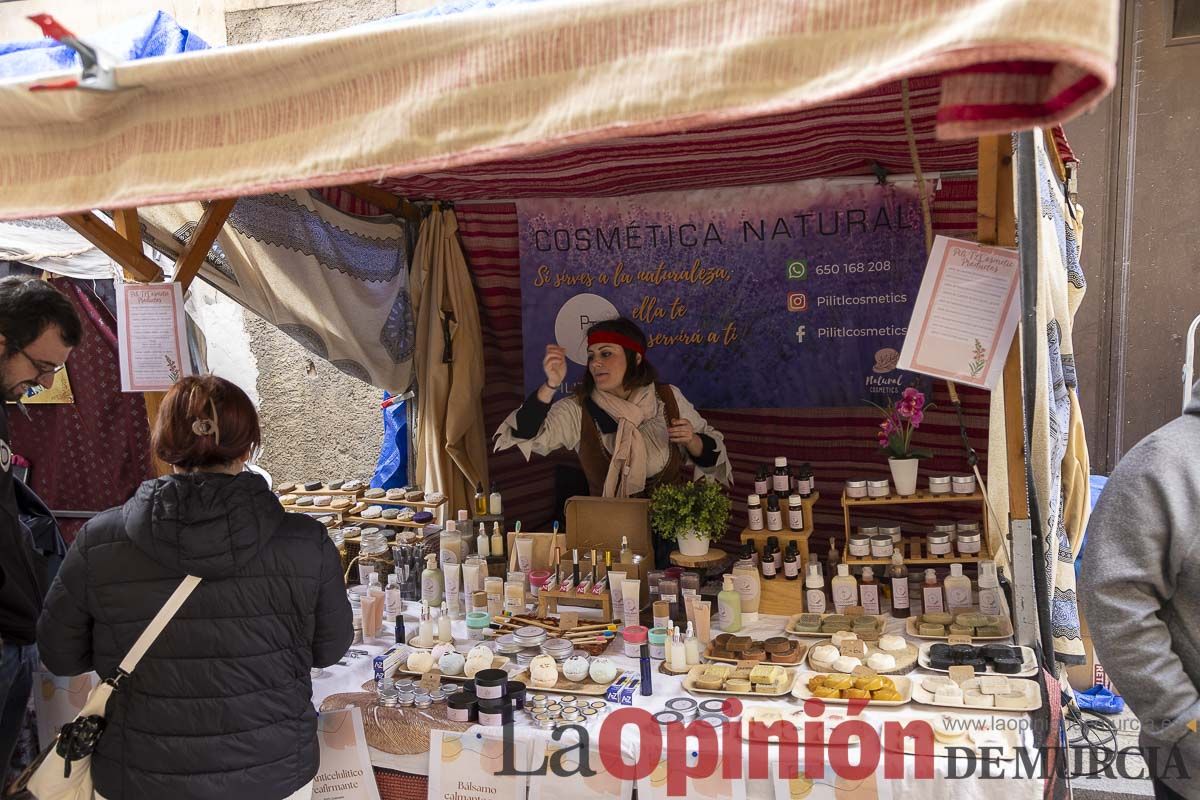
point(38, 329)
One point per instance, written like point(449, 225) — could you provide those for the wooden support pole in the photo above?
point(187, 266)
point(123, 247)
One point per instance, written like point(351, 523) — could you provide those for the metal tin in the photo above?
point(963, 484)
point(856, 488)
point(437, 696)
point(590, 715)
point(405, 699)
point(543, 722)
point(879, 488)
point(881, 546)
point(554, 709)
point(860, 545)
point(939, 484)
point(490, 683)
point(685, 706)
point(948, 528)
point(567, 700)
point(598, 705)
point(403, 685)
point(537, 701)
point(968, 543)
point(868, 530)
point(938, 544)
point(966, 526)
point(665, 718)
point(716, 720)
point(712, 706)
point(892, 531)
point(422, 701)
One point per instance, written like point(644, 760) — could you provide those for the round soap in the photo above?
point(476, 665)
point(480, 651)
point(575, 668)
point(881, 662)
point(420, 661)
point(842, 636)
point(602, 670)
point(846, 664)
point(950, 695)
point(825, 654)
point(452, 663)
point(892, 643)
point(440, 650)
point(543, 672)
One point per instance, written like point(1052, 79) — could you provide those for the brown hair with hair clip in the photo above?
point(205, 422)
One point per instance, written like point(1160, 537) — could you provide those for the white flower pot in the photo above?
point(692, 544)
point(904, 475)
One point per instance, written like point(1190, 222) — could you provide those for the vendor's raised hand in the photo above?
point(554, 364)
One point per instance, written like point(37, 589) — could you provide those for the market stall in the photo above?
point(714, 95)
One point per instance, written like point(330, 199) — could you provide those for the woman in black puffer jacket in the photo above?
point(221, 706)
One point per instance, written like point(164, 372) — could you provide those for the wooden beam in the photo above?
point(376, 197)
point(119, 248)
point(997, 225)
point(187, 266)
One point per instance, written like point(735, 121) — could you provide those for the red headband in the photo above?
point(612, 337)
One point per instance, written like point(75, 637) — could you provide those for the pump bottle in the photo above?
point(814, 595)
point(989, 589)
point(431, 581)
point(844, 588)
point(898, 575)
point(729, 607)
point(958, 590)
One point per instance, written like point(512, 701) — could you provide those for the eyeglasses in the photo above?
point(42, 367)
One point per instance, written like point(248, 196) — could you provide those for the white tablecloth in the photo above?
point(1003, 785)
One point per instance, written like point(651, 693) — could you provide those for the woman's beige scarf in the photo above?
point(627, 469)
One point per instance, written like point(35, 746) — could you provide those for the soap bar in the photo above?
point(374, 494)
point(374, 512)
point(304, 501)
point(336, 485)
point(285, 488)
point(1013, 699)
point(288, 499)
point(391, 513)
point(322, 500)
point(931, 630)
point(313, 486)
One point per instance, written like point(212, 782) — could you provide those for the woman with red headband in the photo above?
point(631, 432)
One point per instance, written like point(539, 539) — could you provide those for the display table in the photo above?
point(1015, 783)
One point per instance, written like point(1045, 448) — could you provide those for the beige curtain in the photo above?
point(450, 441)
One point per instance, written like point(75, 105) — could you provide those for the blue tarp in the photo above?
point(143, 36)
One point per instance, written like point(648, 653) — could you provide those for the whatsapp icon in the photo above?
point(797, 270)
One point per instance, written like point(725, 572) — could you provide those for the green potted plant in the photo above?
point(690, 514)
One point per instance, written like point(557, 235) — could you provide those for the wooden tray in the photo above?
point(911, 626)
point(1010, 738)
point(689, 685)
point(788, 629)
point(588, 688)
point(498, 662)
point(906, 659)
point(1033, 694)
point(1029, 665)
point(903, 685)
point(795, 661)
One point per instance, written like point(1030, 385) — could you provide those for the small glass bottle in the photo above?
point(898, 575)
point(762, 480)
point(796, 513)
point(481, 501)
point(754, 512)
point(791, 563)
point(691, 647)
point(496, 546)
point(868, 591)
point(989, 589)
point(805, 484)
point(931, 594)
point(443, 626)
point(482, 548)
point(774, 515)
point(768, 562)
point(495, 502)
point(781, 478)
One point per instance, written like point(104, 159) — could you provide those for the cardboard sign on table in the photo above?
point(966, 313)
point(468, 765)
point(345, 772)
point(602, 785)
point(600, 522)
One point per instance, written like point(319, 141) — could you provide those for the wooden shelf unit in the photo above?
point(383, 501)
point(323, 491)
point(914, 550)
point(779, 595)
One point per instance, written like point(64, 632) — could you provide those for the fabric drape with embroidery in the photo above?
point(335, 282)
point(451, 447)
point(1058, 452)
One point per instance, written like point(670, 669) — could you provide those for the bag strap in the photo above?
point(156, 626)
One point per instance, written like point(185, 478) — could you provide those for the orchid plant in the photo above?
point(900, 419)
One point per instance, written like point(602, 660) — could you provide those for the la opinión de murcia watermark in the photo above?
point(694, 751)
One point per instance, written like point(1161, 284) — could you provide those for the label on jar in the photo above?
point(495, 720)
point(815, 600)
point(760, 487)
point(430, 589)
point(768, 568)
point(774, 521)
point(791, 568)
point(796, 518)
point(755, 516)
point(958, 597)
point(844, 596)
point(869, 592)
point(989, 602)
point(932, 600)
point(724, 616)
point(900, 592)
point(781, 483)
point(658, 651)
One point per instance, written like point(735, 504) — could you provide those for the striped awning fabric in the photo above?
point(441, 104)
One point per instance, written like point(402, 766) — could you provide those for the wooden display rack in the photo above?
point(548, 602)
point(915, 551)
point(421, 504)
point(388, 523)
point(779, 595)
point(324, 491)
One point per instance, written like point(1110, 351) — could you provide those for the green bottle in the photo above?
point(729, 607)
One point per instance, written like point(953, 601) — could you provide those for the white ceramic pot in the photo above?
point(904, 475)
point(691, 544)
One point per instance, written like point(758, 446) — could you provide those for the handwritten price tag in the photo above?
point(962, 674)
point(431, 680)
point(855, 648)
point(958, 638)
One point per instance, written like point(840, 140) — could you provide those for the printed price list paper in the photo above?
point(965, 315)
point(151, 337)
